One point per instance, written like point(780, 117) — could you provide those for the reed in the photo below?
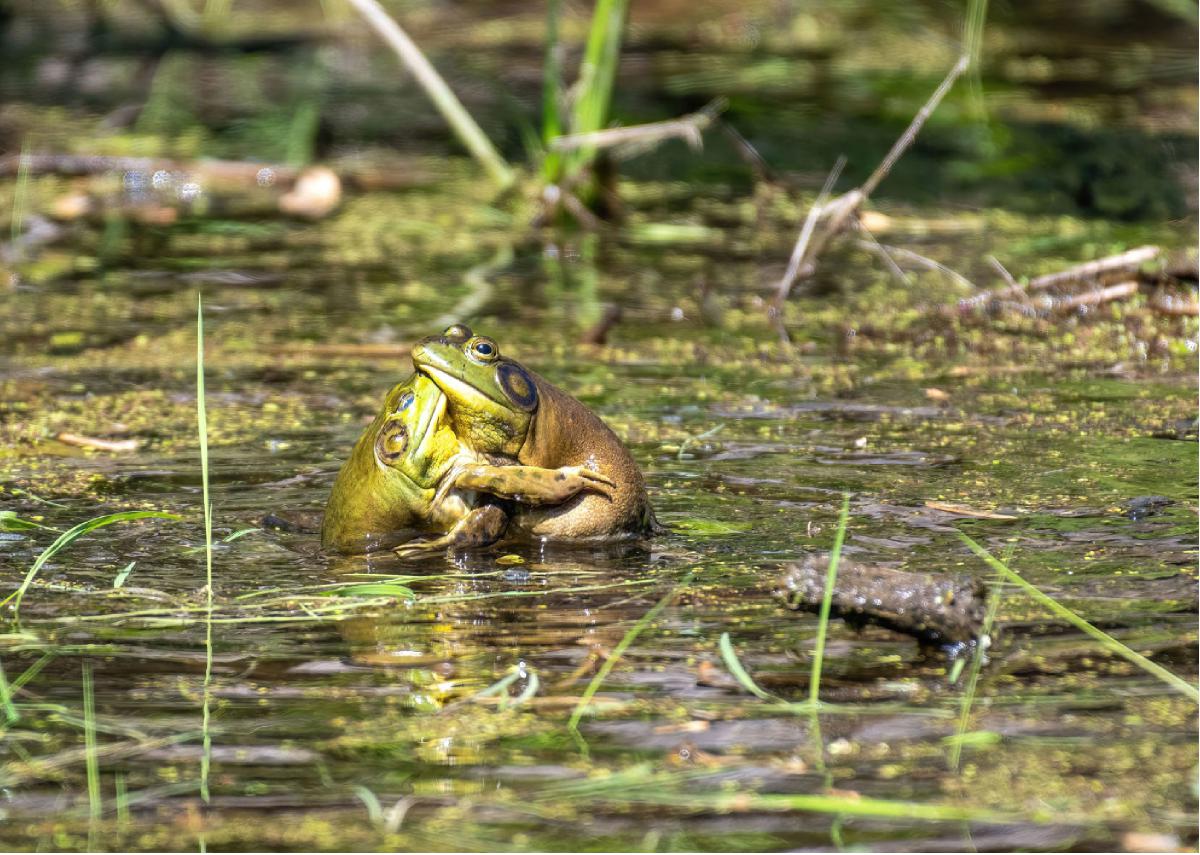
point(465, 128)
point(1106, 641)
point(835, 555)
point(202, 430)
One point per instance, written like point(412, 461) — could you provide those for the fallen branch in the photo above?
point(1092, 270)
point(932, 607)
point(1120, 291)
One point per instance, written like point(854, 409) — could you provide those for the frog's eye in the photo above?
point(391, 442)
point(457, 332)
point(405, 401)
point(483, 349)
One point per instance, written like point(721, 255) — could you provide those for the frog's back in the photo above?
point(566, 433)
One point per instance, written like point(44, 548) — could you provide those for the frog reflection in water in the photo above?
point(502, 412)
point(409, 474)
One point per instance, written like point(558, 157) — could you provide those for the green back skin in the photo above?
point(386, 489)
point(504, 412)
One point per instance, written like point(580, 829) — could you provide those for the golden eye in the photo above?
point(405, 401)
point(483, 349)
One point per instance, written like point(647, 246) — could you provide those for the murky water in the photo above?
point(344, 719)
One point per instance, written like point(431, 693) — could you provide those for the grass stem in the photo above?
point(615, 656)
point(1107, 641)
point(835, 555)
point(202, 429)
point(91, 755)
point(465, 127)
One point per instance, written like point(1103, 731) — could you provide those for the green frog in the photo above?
point(503, 412)
point(410, 475)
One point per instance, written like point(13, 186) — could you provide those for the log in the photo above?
point(934, 608)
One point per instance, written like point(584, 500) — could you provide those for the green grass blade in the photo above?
point(122, 799)
point(552, 92)
point(597, 73)
point(123, 574)
point(968, 698)
point(469, 133)
point(33, 670)
point(91, 757)
point(6, 701)
point(619, 651)
point(202, 430)
point(734, 666)
point(835, 555)
point(20, 195)
point(70, 536)
point(1107, 641)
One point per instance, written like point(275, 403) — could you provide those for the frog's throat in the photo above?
point(461, 390)
point(425, 428)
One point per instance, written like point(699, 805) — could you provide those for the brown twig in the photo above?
point(1090, 271)
point(98, 443)
point(597, 334)
point(1120, 291)
point(688, 128)
point(1129, 260)
point(836, 215)
point(806, 232)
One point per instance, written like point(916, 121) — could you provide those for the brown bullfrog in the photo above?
point(502, 411)
point(409, 475)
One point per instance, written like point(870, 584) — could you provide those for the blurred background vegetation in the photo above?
point(1079, 108)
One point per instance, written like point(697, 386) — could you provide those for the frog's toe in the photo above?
point(595, 477)
point(414, 548)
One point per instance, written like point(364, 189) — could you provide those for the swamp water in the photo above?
point(346, 714)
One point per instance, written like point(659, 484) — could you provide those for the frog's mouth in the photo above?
point(451, 385)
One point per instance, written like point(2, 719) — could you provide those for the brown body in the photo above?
point(564, 432)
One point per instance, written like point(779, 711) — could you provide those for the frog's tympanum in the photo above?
point(503, 412)
point(385, 492)
point(409, 475)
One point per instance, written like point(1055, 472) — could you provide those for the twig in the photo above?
point(838, 213)
point(98, 443)
point(873, 244)
point(469, 133)
point(930, 264)
point(806, 233)
point(748, 153)
point(1094, 269)
point(687, 128)
point(910, 134)
point(1120, 291)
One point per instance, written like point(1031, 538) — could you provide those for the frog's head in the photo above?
point(387, 486)
point(411, 434)
point(491, 398)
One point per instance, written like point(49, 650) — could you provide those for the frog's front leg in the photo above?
point(531, 485)
point(481, 527)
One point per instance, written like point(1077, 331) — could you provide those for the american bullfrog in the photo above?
point(502, 411)
point(409, 474)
